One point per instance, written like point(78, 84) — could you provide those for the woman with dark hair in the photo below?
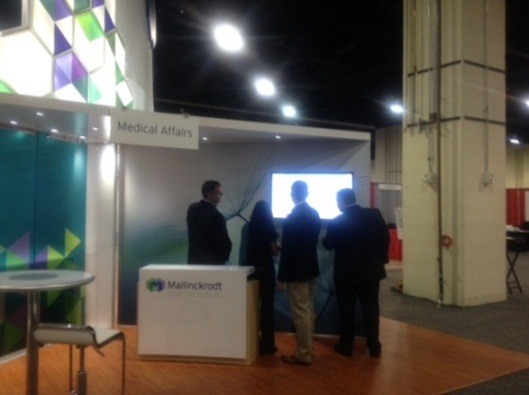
point(262, 246)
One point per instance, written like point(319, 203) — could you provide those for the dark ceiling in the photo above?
point(339, 62)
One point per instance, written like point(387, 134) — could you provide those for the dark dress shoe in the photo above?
point(343, 350)
point(267, 350)
point(291, 359)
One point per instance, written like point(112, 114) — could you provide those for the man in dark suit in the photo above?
point(298, 269)
point(209, 243)
point(360, 239)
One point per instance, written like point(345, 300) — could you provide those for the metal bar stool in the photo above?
point(80, 337)
point(515, 245)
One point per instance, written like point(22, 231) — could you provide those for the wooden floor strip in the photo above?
point(414, 361)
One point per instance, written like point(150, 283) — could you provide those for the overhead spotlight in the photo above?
point(514, 140)
point(13, 122)
point(396, 108)
point(204, 138)
point(228, 38)
point(289, 111)
point(527, 103)
point(54, 130)
point(265, 87)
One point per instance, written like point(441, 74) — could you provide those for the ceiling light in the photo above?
point(289, 111)
point(204, 139)
point(265, 87)
point(514, 140)
point(396, 108)
point(228, 38)
point(40, 114)
point(278, 137)
point(13, 122)
point(54, 130)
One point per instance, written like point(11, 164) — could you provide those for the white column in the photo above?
point(454, 151)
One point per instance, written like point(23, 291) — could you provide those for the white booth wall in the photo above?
point(158, 184)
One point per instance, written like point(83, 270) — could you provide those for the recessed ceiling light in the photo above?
point(289, 111)
point(228, 38)
point(54, 130)
point(396, 108)
point(95, 128)
point(265, 87)
point(278, 137)
point(13, 122)
point(204, 139)
point(39, 114)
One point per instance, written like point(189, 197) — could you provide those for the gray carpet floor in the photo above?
point(504, 324)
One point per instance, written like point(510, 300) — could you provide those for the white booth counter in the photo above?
point(198, 313)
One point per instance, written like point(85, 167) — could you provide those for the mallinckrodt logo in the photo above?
point(155, 284)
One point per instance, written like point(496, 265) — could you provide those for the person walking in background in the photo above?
point(360, 239)
point(209, 242)
point(262, 246)
point(298, 270)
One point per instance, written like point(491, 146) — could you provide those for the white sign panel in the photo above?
point(193, 310)
point(153, 129)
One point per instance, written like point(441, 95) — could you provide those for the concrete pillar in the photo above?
point(454, 151)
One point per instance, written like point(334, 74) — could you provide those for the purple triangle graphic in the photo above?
point(97, 3)
point(61, 10)
point(64, 63)
point(61, 43)
point(109, 23)
point(21, 247)
point(41, 260)
point(78, 71)
point(60, 79)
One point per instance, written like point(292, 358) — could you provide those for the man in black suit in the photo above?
point(360, 239)
point(298, 270)
point(209, 243)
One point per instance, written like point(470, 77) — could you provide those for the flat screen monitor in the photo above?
point(323, 187)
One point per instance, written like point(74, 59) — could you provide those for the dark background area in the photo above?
point(338, 62)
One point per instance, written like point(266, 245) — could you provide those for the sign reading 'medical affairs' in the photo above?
point(154, 129)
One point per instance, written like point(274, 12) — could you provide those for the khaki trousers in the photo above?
point(301, 298)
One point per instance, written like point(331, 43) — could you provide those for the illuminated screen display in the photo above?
point(322, 192)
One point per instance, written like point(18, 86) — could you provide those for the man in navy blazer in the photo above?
point(360, 238)
point(209, 242)
point(298, 270)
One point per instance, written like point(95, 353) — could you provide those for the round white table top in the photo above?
point(42, 280)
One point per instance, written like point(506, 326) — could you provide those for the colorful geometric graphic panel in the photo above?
point(70, 41)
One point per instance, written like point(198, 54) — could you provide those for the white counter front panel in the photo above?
point(192, 310)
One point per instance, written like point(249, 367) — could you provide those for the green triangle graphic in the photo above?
point(14, 262)
point(71, 242)
point(89, 25)
point(54, 258)
point(4, 88)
